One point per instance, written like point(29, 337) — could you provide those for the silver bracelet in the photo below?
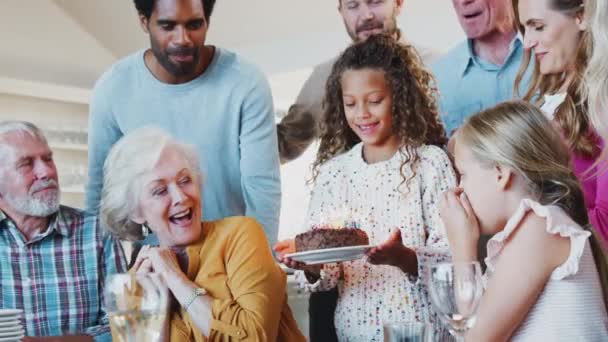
point(199, 291)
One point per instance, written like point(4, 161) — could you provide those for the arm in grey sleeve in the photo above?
point(298, 129)
point(103, 133)
point(260, 174)
point(296, 132)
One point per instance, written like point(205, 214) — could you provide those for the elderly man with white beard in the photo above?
point(53, 259)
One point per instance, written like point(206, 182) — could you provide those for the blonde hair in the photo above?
point(595, 85)
point(571, 115)
point(518, 135)
point(131, 157)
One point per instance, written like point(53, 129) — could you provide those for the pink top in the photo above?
point(571, 306)
point(595, 189)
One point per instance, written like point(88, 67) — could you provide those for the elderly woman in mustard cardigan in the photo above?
point(223, 279)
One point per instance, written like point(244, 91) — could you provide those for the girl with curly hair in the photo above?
point(380, 164)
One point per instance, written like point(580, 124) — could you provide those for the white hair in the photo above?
point(131, 157)
point(28, 204)
point(595, 82)
point(23, 127)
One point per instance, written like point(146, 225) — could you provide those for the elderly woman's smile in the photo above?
point(170, 204)
point(182, 218)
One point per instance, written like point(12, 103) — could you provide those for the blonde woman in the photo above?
point(223, 279)
point(546, 278)
point(596, 76)
point(556, 31)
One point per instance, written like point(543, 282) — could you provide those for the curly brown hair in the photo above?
point(416, 119)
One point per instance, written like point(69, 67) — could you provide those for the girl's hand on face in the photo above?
point(461, 224)
point(393, 252)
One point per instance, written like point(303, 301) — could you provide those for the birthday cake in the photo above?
point(322, 237)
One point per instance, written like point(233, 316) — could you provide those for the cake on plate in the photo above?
point(328, 237)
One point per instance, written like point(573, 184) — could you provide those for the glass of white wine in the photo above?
point(136, 305)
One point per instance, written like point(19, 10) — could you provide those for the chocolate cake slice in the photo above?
point(322, 238)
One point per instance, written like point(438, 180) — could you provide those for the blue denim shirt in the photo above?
point(468, 84)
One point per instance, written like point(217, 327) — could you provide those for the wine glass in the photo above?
point(408, 332)
point(136, 305)
point(455, 290)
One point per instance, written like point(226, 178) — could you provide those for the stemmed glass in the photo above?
point(408, 332)
point(455, 290)
point(136, 305)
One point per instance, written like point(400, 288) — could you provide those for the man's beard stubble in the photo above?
point(176, 68)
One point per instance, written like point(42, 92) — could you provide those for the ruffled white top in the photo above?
point(571, 307)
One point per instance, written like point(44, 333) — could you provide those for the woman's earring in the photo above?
point(145, 230)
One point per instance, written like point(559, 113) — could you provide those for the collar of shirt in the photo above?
point(58, 223)
point(468, 58)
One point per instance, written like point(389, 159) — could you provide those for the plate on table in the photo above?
point(12, 329)
point(329, 255)
point(10, 323)
point(4, 320)
point(10, 312)
point(12, 338)
point(15, 334)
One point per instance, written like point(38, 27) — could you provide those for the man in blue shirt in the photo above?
point(362, 19)
point(202, 95)
point(480, 72)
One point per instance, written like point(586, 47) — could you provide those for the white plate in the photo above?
point(10, 312)
point(9, 318)
point(329, 255)
point(14, 328)
point(12, 338)
point(12, 334)
point(10, 323)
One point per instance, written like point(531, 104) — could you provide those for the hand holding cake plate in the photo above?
point(327, 245)
point(330, 255)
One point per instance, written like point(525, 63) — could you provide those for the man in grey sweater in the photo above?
point(362, 18)
point(202, 95)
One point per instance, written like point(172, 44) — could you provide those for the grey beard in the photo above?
point(32, 206)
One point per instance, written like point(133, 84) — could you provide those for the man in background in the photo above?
point(362, 18)
point(480, 72)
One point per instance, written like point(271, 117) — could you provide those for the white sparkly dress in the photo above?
point(374, 195)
